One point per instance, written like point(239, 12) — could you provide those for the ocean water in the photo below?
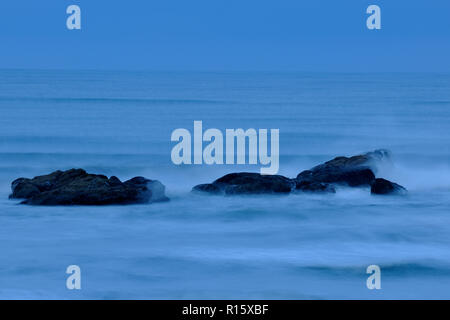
point(206, 247)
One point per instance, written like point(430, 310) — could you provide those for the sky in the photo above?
point(227, 35)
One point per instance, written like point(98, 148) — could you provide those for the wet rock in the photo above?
point(383, 186)
point(352, 171)
point(317, 187)
point(353, 177)
point(77, 187)
point(248, 183)
point(207, 187)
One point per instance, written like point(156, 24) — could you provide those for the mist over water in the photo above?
point(296, 246)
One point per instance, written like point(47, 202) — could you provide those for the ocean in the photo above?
point(299, 246)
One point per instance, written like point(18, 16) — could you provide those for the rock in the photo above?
point(248, 183)
point(23, 189)
point(76, 187)
point(310, 186)
point(383, 186)
point(352, 171)
point(353, 177)
point(207, 187)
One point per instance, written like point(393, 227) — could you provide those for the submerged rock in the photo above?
point(248, 183)
point(383, 186)
point(76, 187)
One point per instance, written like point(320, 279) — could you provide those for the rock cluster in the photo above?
point(76, 187)
point(356, 171)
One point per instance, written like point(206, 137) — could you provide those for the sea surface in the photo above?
point(298, 246)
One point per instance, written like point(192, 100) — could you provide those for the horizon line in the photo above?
point(132, 70)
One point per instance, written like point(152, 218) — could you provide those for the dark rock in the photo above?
point(207, 187)
point(353, 177)
point(22, 189)
point(310, 186)
point(76, 187)
point(248, 183)
point(114, 181)
point(352, 171)
point(383, 186)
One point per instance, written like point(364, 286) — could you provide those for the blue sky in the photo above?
point(204, 35)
